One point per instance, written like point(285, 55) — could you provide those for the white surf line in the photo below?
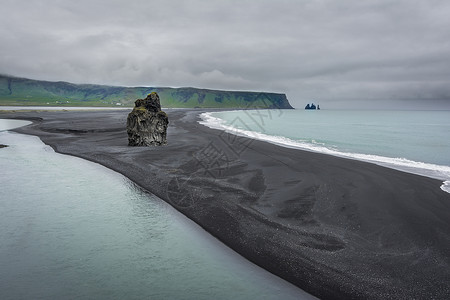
point(402, 164)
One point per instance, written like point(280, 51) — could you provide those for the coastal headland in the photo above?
point(337, 228)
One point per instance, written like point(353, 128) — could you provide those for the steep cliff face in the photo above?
point(147, 123)
point(22, 91)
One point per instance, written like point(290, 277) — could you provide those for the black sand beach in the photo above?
point(337, 228)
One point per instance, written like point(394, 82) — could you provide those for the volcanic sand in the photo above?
point(337, 228)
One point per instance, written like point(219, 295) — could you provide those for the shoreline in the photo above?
point(426, 169)
point(337, 228)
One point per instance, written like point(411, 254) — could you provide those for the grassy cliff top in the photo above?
point(22, 91)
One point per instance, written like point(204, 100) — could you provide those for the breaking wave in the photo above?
point(403, 164)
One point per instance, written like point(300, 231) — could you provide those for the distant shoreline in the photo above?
point(18, 91)
point(335, 227)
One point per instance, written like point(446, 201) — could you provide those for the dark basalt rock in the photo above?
point(312, 106)
point(147, 123)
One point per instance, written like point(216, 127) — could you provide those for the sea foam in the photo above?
point(420, 168)
point(446, 186)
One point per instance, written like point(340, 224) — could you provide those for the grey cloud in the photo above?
point(325, 50)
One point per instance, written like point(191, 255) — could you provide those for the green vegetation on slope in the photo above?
point(21, 91)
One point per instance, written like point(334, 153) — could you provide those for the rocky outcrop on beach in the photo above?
point(147, 123)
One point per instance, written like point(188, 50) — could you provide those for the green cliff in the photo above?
point(21, 91)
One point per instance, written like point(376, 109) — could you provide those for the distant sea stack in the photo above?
point(312, 106)
point(147, 123)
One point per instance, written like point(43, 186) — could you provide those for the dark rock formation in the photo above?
point(3, 146)
point(147, 123)
point(312, 106)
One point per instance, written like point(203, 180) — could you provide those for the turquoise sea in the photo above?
point(72, 229)
point(412, 141)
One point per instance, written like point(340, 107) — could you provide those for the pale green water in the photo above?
point(412, 141)
point(71, 229)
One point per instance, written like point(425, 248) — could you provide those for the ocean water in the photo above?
point(72, 229)
point(411, 141)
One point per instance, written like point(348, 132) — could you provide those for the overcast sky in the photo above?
point(326, 51)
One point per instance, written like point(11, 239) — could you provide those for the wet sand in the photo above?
point(337, 228)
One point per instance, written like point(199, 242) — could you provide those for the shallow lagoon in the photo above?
point(74, 229)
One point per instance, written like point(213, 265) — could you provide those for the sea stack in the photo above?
point(147, 123)
point(312, 106)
